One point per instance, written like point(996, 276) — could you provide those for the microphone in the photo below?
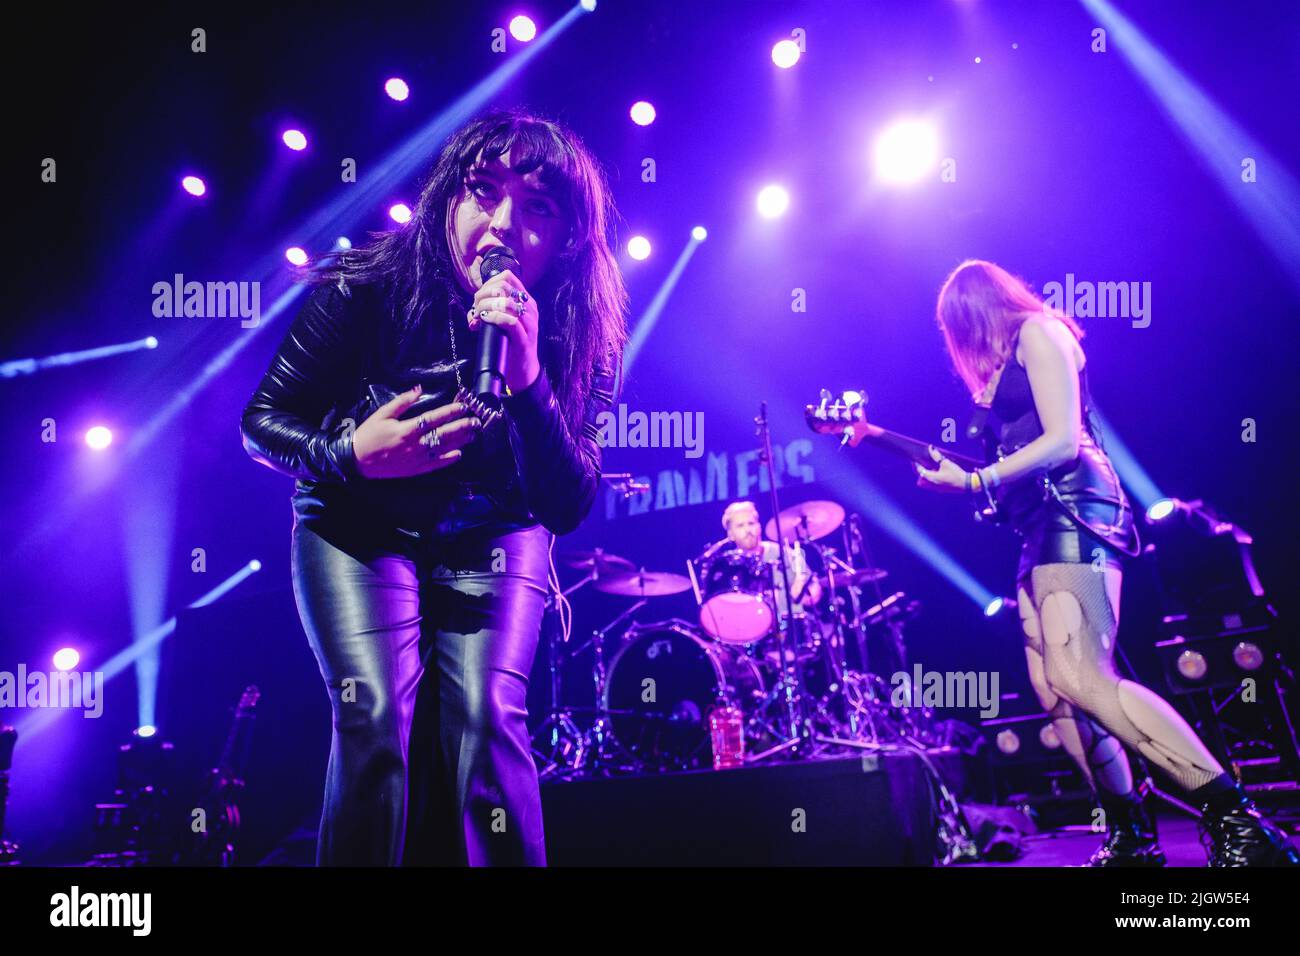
point(490, 368)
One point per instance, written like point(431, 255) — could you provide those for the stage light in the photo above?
point(699, 233)
point(399, 212)
point(1162, 509)
point(255, 565)
point(993, 607)
point(588, 5)
point(150, 342)
point(978, 60)
point(296, 255)
point(295, 139)
point(194, 186)
point(772, 201)
point(99, 438)
point(522, 28)
point(906, 151)
point(148, 730)
point(638, 247)
point(342, 242)
point(1248, 656)
point(396, 88)
point(1008, 741)
point(643, 113)
point(66, 658)
point(786, 54)
point(1048, 737)
point(1191, 664)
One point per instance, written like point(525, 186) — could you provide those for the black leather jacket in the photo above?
point(341, 359)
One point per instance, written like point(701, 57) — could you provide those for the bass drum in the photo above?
point(661, 686)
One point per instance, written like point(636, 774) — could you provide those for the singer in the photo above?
point(1055, 483)
point(421, 539)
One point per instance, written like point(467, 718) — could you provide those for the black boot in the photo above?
point(1237, 834)
point(1131, 833)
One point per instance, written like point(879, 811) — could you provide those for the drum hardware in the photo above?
point(568, 745)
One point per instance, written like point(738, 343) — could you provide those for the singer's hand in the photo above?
point(518, 320)
point(389, 447)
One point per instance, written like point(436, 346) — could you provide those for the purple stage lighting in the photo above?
point(772, 201)
point(99, 437)
point(296, 255)
point(66, 658)
point(396, 88)
point(638, 247)
point(400, 212)
point(295, 139)
point(906, 151)
point(643, 114)
point(785, 54)
point(699, 233)
point(194, 186)
point(522, 28)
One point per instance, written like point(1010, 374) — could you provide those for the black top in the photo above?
point(342, 358)
point(1087, 488)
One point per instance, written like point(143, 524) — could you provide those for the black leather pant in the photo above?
point(425, 646)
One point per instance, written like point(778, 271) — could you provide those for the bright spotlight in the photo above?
point(295, 139)
point(1161, 509)
point(147, 730)
point(993, 607)
point(342, 242)
point(396, 88)
point(638, 247)
point(699, 233)
point(66, 658)
point(588, 5)
point(643, 113)
point(399, 212)
point(99, 438)
point(906, 152)
point(772, 201)
point(194, 186)
point(255, 565)
point(151, 343)
point(296, 255)
point(523, 28)
point(785, 54)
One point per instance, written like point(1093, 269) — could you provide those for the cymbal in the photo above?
point(644, 584)
point(605, 564)
point(855, 578)
point(823, 517)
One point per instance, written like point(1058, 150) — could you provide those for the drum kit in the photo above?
point(749, 679)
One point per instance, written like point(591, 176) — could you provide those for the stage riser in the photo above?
point(876, 813)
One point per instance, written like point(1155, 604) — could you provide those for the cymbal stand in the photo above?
point(566, 742)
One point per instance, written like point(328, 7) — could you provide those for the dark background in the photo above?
point(1066, 164)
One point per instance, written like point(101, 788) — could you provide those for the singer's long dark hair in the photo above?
point(584, 314)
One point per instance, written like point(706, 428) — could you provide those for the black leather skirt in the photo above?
point(1051, 536)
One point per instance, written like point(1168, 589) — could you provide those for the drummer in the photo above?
point(740, 520)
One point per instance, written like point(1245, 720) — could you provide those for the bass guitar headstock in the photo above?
point(845, 415)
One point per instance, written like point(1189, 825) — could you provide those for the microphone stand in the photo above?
point(791, 680)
